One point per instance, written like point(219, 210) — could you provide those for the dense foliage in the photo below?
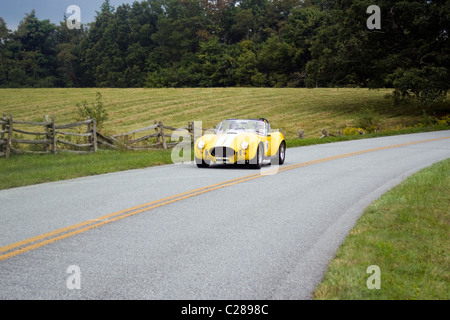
point(210, 43)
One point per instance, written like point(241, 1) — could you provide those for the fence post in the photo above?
point(2, 136)
point(163, 137)
point(53, 136)
point(47, 131)
point(10, 134)
point(156, 131)
point(191, 131)
point(88, 125)
point(94, 134)
point(191, 128)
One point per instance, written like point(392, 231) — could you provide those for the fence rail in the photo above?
point(52, 138)
point(156, 136)
point(46, 139)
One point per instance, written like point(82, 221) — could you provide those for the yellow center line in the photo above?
point(105, 217)
point(50, 237)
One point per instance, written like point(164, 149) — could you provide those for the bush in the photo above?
point(426, 85)
point(368, 119)
point(443, 121)
point(430, 121)
point(95, 111)
point(351, 131)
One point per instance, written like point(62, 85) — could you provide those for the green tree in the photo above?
point(5, 54)
point(426, 85)
point(413, 43)
point(68, 55)
point(98, 50)
point(218, 63)
point(277, 61)
point(300, 30)
point(247, 73)
point(32, 54)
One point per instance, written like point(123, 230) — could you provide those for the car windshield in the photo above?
point(241, 125)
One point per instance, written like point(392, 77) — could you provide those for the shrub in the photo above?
point(443, 121)
point(368, 119)
point(351, 131)
point(426, 85)
point(95, 111)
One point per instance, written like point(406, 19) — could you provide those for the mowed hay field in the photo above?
point(289, 109)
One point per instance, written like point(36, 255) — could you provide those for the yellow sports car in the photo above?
point(241, 141)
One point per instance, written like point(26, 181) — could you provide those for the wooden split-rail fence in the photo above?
point(155, 136)
point(79, 137)
point(46, 136)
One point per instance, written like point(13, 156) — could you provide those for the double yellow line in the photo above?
point(50, 237)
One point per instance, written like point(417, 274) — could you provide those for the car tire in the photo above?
point(201, 163)
point(280, 156)
point(257, 161)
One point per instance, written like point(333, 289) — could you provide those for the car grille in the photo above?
point(222, 152)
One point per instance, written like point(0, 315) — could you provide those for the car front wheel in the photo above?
point(281, 155)
point(259, 158)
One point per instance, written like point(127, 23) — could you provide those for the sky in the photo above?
point(13, 11)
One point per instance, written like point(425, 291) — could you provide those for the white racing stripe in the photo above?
point(221, 140)
point(226, 140)
point(230, 140)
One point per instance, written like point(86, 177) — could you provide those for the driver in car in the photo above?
point(260, 128)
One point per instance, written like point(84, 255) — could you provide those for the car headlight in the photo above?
point(201, 144)
point(244, 145)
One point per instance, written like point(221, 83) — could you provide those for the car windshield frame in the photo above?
point(246, 125)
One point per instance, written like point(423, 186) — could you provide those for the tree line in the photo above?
point(225, 43)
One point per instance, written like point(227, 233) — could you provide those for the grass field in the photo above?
point(406, 234)
point(288, 109)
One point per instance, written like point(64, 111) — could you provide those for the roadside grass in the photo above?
point(406, 233)
point(290, 143)
point(24, 170)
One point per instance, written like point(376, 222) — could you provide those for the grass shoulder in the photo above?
point(24, 170)
point(290, 143)
point(405, 234)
